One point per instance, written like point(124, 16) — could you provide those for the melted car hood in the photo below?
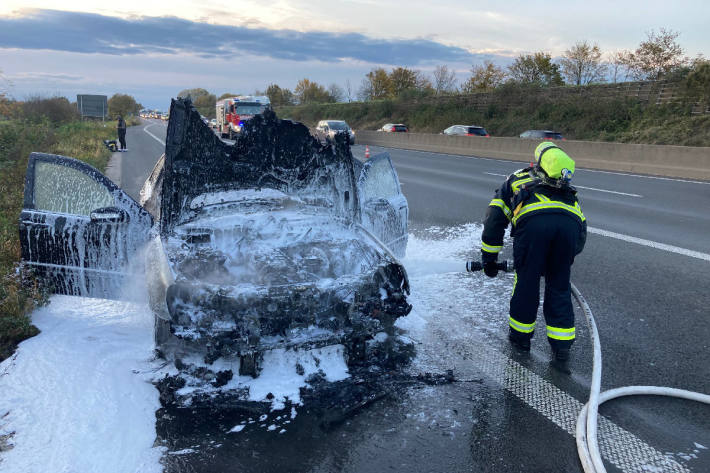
point(268, 153)
point(266, 238)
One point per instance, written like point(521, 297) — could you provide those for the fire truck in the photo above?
point(234, 111)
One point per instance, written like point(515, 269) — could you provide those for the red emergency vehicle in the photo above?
point(234, 111)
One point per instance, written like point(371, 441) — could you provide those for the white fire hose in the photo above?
point(586, 433)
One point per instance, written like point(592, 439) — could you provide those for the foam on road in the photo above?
point(77, 397)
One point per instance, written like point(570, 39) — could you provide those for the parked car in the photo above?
point(273, 242)
point(394, 128)
point(213, 123)
point(542, 135)
point(466, 130)
point(330, 128)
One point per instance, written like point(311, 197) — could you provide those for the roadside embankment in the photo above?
point(688, 162)
point(20, 293)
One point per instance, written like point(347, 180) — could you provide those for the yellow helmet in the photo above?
point(553, 161)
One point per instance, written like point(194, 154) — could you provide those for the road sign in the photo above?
point(95, 106)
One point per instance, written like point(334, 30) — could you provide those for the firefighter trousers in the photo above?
point(122, 138)
point(544, 245)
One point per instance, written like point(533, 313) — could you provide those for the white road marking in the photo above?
point(608, 191)
point(676, 179)
point(436, 322)
point(620, 447)
point(151, 134)
point(650, 244)
point(579, 187)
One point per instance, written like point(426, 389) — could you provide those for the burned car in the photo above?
point(277, 241)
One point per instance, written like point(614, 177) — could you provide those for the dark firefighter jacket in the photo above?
point(521, 196)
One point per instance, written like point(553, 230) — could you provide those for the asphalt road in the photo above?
point(644, 272)
point(145, 144)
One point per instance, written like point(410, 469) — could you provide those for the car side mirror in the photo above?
point(108, 215)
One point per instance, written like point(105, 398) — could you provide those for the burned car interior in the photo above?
point(276, 241)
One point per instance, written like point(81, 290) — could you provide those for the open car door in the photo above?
point(384, 208)
point(78, 229)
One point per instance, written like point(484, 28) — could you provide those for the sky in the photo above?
point(152, 50)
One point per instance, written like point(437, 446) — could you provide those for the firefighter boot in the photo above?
point(560, 360)
point(518, 340)
point(561, 354)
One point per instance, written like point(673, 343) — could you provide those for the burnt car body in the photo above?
point(276, 241)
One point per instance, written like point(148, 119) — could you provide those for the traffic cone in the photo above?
point(367, 152)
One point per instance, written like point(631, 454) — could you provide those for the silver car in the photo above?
point(330, 128)
point(466, 130)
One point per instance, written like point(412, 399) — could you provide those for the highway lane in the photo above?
point(455, 188)
point(650, 305)
point(145, 143)
point(667, 290)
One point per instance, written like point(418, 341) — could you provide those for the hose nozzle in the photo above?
point(472, 266)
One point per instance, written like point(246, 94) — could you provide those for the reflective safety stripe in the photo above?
point(521, 327)
point(500, 204)
point(490, 248)
point(516, 185)
point(560, 333)
point(515, 282)
point(542, 198)
point(553, 204)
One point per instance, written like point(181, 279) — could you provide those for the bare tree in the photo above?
point(659, 54)
point(349, 90)
point(618, 65)
point(5, 85)
point(444, 80)
point(484, 77)
point(582, 64)
point(336, 92)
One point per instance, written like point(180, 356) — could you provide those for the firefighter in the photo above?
point(548, 230)
point(121, 128)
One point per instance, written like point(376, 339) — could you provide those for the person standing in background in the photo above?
point(121, 128)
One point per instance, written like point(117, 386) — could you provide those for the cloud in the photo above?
point(44, 76)
point(93, 33)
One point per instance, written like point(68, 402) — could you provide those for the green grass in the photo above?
point(576, 117)
point(20, 293)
